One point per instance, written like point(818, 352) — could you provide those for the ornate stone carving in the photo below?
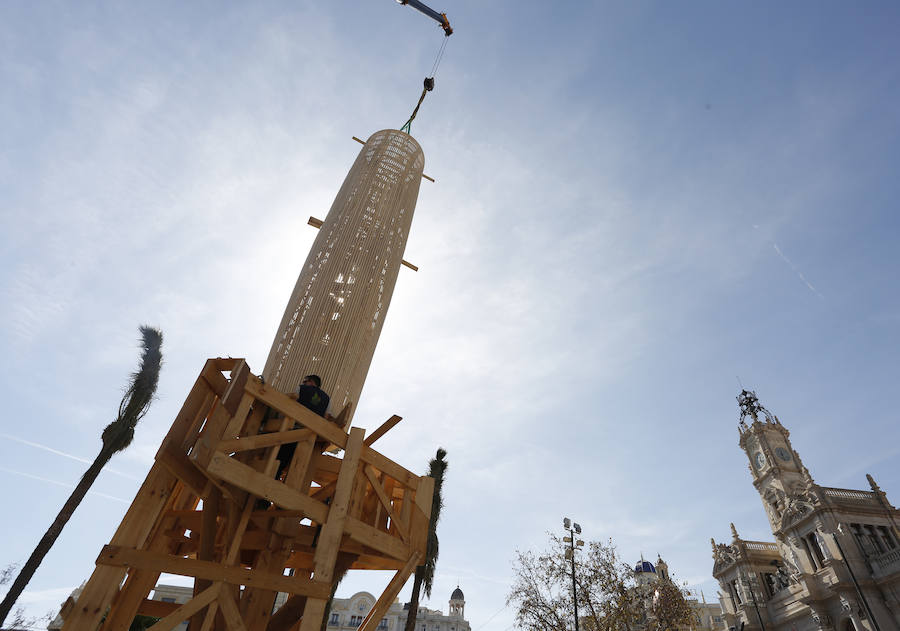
point(723, 555)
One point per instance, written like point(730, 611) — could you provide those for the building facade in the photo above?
point(348, 613)
point(707, 616)
point(835, 562)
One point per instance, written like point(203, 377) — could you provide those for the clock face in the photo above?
point(760, 460)
point(783, 453)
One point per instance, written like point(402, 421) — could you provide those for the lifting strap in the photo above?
point(429, 86)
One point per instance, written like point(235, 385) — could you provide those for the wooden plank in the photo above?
point(378, 611)
point(205, 445)
point(263, 440)
point(402, 528)
point(214, 377)
point(315, 222)
point(429, 178)
point(421, 515)
point(388, 466)
point(151, 498)
point(206, 552)
point(294, 410)
point(192, 412)
point(414, 268)
point(225, 364)
point(178, 463)
point(235, 391)
point(240, 417)
point(117, 556)
point(375, 539)
point(362, 142)
point(155, 608)
point(263, 485)
point(330, 538)
point(188, 609)
point(383, 429)
point(230, 612)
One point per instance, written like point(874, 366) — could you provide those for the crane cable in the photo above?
point(428, 86)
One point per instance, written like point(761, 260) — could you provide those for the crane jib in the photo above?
point(440, 18)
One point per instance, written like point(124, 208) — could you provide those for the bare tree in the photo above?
point(18, 620)
point(116, 437)
point(609, 597)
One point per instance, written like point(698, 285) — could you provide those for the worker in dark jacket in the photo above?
point(310, 395)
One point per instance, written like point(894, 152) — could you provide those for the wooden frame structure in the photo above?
point(210, 508)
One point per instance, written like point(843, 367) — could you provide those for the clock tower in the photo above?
point(778, 473)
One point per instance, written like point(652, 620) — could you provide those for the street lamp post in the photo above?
point(746, 580)
point(853, 578)
point(573, 529)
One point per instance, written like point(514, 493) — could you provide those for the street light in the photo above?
point(840, 528)
point(573, 529)
point(749, 584)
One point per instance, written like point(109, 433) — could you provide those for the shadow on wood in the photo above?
point(211, 509)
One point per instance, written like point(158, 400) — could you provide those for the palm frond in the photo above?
point(139, 394)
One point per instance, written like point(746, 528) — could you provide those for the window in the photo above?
point(771, 585)
point(355, 621)
point(382, 624)
point(334, 619)
point(736, 592)
point(812, 549)
point(167, 599)
point(871, 540)
point(887, 538)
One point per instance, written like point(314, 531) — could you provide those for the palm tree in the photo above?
point(424, 577)
point(116, 437)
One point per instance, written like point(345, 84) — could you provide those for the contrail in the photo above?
point(65, 484)
point(65, 455)
point(796, 271)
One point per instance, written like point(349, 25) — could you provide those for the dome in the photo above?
point(457, 594)
point(644, 566)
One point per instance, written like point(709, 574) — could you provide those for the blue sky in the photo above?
point(637, 205)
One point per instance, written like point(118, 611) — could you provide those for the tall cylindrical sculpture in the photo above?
point(334, 317)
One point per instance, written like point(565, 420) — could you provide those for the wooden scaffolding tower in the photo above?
point(203, 512)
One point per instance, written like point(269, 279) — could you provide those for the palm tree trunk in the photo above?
point(49, 538)
point(414, 603)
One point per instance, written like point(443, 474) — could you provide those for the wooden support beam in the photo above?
point(381, 606)
point(235, 390)
point(375, 539)
point(402, 528)
point(188, 609)
point(383, 429)
point(117, 556)
point(265, 486)
point(330, 538)
point(294, 410)
point(263, 440)
point(391, 468)
point(230, 612)
point(152, 608)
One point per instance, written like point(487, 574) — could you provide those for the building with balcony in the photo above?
point(348, 613)
point(835, 562)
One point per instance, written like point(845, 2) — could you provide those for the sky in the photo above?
point(639, 209)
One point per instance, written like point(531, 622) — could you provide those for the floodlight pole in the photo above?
point(573, 529)
point(853, 577)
